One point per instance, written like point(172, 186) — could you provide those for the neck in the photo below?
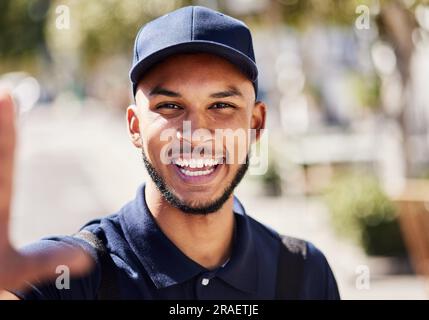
point(206, 239)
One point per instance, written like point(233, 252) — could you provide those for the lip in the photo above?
point(197, 179)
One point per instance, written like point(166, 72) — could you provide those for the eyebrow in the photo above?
point(232, 91)
point(158, 90)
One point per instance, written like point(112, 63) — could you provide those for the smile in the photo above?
point(197, 171)
point(197, 167)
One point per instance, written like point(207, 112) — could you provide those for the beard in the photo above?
point(196, 209)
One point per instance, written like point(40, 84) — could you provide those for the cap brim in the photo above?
point(240, 60)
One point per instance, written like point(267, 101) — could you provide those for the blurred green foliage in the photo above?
point(337, 12)
point(362, 212)
point(22, 24)
point(97, 28)
point(304, 12)
point(109, 26)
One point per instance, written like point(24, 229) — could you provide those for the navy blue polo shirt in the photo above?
point(149, 266)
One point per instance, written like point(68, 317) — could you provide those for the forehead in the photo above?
point(195, 69)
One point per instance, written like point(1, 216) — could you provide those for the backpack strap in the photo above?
point(292, 256)
point(291, 260)
point(108, 289)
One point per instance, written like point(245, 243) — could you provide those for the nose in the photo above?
point(195, 127)
point(196, 135)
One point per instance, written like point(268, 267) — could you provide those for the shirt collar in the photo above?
point(166, 265)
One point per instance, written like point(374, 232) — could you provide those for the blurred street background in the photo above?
point(346, 87)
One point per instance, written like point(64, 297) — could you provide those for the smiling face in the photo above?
point(203, 104)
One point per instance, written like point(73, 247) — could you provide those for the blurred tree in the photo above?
point(22, 24)
point(105, 28)
point(396, 22)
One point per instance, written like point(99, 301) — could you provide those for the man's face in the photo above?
point(195, 101)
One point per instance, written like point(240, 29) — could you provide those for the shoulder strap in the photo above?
point(293, 252)
point(108, 289)
point(290, 268)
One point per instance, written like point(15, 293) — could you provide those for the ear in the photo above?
point(258, 119)
point(134, 126)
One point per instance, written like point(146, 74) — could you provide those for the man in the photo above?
point(185, 236)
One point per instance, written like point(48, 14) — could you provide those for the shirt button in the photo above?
point(205, 281)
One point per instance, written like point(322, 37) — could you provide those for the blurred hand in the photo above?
point(16, 268)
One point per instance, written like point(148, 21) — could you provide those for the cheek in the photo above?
point(237, 140)
point(158, 141)
point(241, 147)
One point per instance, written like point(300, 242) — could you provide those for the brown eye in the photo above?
point(221, 105)
point(170, 106)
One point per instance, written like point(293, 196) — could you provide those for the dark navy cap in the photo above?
point(194, 29)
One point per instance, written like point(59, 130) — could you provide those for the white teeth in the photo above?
point(200, 163)
point(192, 163)
point(197, 163)
point(196, 173)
